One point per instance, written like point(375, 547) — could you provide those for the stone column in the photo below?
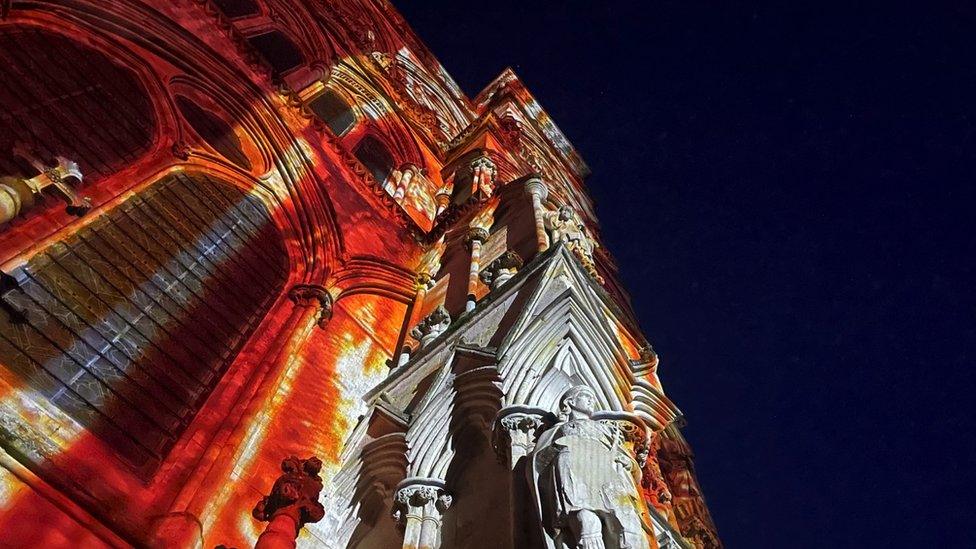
point(420, 508)
point(311, 309)
point(515, 433)
point(407, 173)
point(443, 200)
point(538, 192)
point(473, 241)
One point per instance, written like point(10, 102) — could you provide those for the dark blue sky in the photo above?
point(790, 194)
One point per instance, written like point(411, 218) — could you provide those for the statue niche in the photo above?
point(586, 483)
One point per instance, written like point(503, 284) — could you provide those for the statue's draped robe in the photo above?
point(575, 466)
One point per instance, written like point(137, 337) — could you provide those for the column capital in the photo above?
point(432, 326)
point(515, 431)
point(501, 270)
point(420, 498)
point(483, 161)
point(475, 234)
point(292, 503)
point(535, 186)
point(313, 295)
point(424, 280)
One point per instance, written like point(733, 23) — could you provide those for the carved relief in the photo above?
point(19, 195)
point(688, 504)
point(435, 324)
point(563, 225)
point(655, 488)
point(501, 270)
point(292, 503)
point(586, 481)
point(483, 175)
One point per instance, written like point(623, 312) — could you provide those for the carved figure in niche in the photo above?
point(565, 226)
point(292, 503)
point(433, 325)
point(586, 482)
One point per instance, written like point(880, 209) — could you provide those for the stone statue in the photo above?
point(292, 503)
point(565, 226)
point(586, 482)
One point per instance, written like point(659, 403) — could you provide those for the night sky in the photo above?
point(790, 193)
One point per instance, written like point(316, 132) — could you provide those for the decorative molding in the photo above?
point(313, 295)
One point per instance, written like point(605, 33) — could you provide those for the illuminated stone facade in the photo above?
point(236, 231)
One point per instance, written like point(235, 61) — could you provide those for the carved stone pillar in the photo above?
point(538, 192)
point(292, 503)
point(419, 508)
point(515, 433)
point(407, 172)
point(443, 199)
point(473, 241)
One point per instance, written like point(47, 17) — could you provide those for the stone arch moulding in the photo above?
point(164, 120)
point(250, 126)
point(368, 275)
point(378, 114)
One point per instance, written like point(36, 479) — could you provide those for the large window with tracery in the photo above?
point(129, 323)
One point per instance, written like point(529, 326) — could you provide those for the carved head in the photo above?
point(565, 213)
point(291, 464)
point(312, 466)
point(580, 399)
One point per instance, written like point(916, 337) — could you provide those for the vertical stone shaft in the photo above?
point(412, 530)
point(536, 189)
point(401, 189)
point(311, 307)
point(474, 239)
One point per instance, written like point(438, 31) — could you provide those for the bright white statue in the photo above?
point(565, 226)
point(586, 482)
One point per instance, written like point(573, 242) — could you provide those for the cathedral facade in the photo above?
point(270, 278)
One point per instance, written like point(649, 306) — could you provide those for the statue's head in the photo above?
point(578, 398)
point(291, 464)
point(312, 466)
point(565, 212)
